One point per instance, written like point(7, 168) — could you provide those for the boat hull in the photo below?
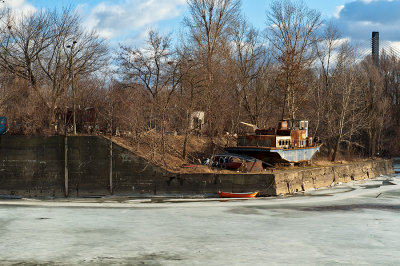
point(276, 155)
point(233, 165)
point(237, 195)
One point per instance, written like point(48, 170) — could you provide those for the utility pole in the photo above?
point(73, 85)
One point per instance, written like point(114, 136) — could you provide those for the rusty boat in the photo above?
point(290, 142)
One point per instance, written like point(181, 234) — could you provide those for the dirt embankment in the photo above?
point(149, 146)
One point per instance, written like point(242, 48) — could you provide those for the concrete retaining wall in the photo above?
point(37, 167)
point(31, 166)
point(300, 180)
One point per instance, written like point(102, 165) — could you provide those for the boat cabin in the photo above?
point(289, 134)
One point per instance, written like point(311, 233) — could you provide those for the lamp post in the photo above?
point(73, 85)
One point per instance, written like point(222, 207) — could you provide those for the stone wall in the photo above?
point(79, 166)
point(287, 182)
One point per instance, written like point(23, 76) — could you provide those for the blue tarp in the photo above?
point(3, 125)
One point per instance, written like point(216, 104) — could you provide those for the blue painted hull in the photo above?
point(270, 155)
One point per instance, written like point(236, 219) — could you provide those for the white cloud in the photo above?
point(370, 1)
point(336, 14)
point(111, 20)
point(20, 7)
point(342, 41)
point(359, 18)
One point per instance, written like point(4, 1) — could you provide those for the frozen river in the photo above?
point(354, 223)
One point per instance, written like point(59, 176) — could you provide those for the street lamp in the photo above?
point(73, 85)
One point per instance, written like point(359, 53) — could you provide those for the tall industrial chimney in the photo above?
point(375, 47)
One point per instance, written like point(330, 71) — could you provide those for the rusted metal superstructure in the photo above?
point(290, 142)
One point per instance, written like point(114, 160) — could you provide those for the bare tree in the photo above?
point(33, 48)
point(89, 55)
point(389, 67)
point(377, 104)
point(344, 112)
point(156, 69)
point(191, 83)
point(22, 41)
point(251, 70)
point(146, 66)
point(210, 25)
point(292, 33)
point(326, 50)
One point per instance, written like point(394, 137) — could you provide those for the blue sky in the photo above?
point(129, 20)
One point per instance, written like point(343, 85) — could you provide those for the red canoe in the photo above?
point(237, 195)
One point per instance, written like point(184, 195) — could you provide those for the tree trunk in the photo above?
point(372, 134)
point(335, 149)
point(184, 151)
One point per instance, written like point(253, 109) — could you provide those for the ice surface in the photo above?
point(353, 223)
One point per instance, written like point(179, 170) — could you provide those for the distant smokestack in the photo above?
point(375, 47)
